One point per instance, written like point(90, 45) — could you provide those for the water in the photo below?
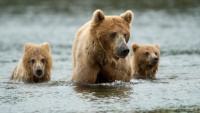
point(173, 25)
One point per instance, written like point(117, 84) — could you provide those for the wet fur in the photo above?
point(24, 70)
point(140, 63)
point(93, 57)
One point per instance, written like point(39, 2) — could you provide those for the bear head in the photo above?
point(37, 59)
point(112, 32)
point(146, 56)
point(145, 61)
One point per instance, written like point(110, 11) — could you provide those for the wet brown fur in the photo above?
point(140, 62)
point(93, 58)
point(24, 70)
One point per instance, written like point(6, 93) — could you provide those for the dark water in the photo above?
point(174, 25)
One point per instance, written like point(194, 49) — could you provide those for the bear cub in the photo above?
point(35, 65)
point(145, 61)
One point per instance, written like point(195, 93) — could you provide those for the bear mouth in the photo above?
point(122, 54)
point(152, 63)
point(38, 76)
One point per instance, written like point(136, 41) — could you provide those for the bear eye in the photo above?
point(42, 60)
point(32, 61)
point(125, 35)
point(113, 35)
point(147, 53)
point(156, 53)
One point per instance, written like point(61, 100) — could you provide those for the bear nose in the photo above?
point(155, 59)
point(39, 72)
point(125, 51)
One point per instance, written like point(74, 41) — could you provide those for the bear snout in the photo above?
point(122, 51)
point(121, 48)
point(38, 71)
point(153, 61)
point(125, 51)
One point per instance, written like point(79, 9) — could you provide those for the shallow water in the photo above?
point(174, 26)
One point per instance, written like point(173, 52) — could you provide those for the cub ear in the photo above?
point(98, 16)
point(156, 45)
point(46, 46)
point(135, 47)
point(128, 16)
point(27, 46)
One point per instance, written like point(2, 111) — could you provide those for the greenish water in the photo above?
point(174, 25)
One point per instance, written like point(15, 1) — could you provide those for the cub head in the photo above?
point(112, 32)
point(37, 59)
point(146, 55)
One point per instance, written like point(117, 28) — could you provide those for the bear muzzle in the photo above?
point(153, 61)
point(38, 71)
point(121, 49)
point(124, 52)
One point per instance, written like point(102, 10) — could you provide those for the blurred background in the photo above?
point(173, 24)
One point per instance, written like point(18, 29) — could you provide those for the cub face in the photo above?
point(37, 65)
point(147, 55)
point(37, 58)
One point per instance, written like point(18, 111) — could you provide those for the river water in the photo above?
point(173, 25)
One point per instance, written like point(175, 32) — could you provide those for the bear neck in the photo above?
point(29, 77)
point(142, 70)
point(33, 79)
point(44, 78)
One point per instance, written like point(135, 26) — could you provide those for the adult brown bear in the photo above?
point(100, 51)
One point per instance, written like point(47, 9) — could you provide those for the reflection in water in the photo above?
point(109, 98)
point(102, 91)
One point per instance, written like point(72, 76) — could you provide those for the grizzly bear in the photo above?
point(35, 65)
point(100, 51)
point(145, 61)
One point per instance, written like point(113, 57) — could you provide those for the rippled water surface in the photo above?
point(174, 26)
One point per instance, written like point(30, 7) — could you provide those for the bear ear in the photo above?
point(135, 47)
point(27, 46)
point(46, 46)
point(98, 16)
point(128, 16)
point(156, 45)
